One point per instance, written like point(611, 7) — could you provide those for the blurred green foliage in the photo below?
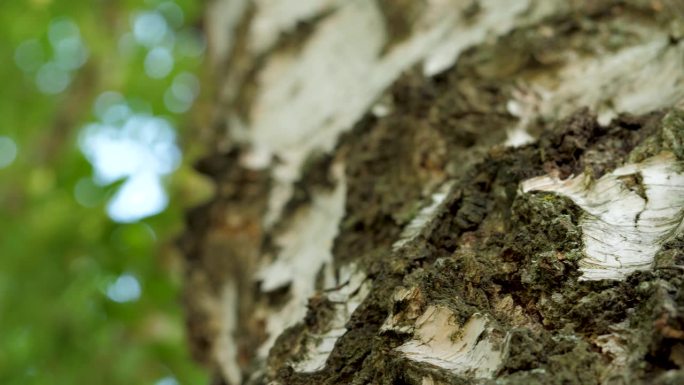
point(59, 259)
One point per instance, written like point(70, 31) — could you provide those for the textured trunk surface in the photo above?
point(442, 192)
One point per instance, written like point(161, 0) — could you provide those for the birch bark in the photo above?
point(442, 192)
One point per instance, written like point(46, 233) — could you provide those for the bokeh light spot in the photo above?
point(172, 12)
point(112, 108)
point(158, 63)
point(8, 151)
point(191, 43)
point(174, 104)
point(29, 55)
point(62, 28)
point(126, 288)
point(52, 79)
point(87, 193)
point(186, 86)
point(65, 38)
point(70, 53)
point(182, 93)
point(144, 143)
point(142, 195)
point(134, 146)
point(167, 381)
point(149, 28)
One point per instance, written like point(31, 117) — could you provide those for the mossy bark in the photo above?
point(392, 243)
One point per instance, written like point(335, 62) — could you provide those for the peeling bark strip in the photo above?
point(631, 213)
point(442, 192)
point(304, 253)
point(465, 350)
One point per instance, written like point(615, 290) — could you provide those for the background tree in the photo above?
point(441, 192)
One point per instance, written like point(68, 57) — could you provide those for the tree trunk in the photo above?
point(442, 192)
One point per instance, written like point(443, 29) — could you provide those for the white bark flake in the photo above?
point(471, 349)
point(624, 224)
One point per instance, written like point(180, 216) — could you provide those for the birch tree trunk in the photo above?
point(442, 192)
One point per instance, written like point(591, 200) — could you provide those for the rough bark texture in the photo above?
point(442, 192)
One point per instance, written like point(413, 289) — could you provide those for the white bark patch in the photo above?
point(525, 112)
point(424, 216)
point(403, 322)
point(496, 17)
point(615, 346)
point(623, 228)
point(617, 349)
point(274, 17)
point(222, 17)
point(307, 98)
point(636, 79)
point(470, 349)
point(347, 297)
point(518, 136)
point(225, 346)
point(305, 248)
